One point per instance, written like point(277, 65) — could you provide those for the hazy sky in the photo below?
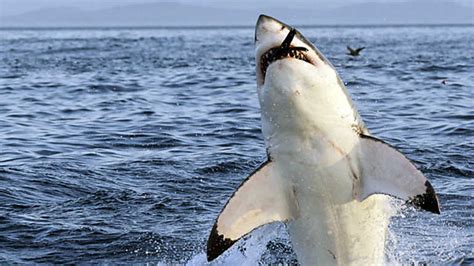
point(15, 7)
point(79, 13)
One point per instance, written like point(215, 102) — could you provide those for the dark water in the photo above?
point(122, 145)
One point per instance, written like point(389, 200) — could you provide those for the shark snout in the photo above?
point(275, 40)
point(267, 25)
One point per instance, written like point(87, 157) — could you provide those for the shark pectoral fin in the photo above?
point(264, 197)
point(384, 170)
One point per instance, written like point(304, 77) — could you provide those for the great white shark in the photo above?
point(326, 176)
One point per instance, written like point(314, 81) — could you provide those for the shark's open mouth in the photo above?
point(281, 52)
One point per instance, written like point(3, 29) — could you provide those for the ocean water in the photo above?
point(122, 145)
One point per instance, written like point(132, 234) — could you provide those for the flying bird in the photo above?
point(354, 52)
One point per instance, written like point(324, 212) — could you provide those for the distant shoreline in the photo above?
point(172, 14)
point(210, 27)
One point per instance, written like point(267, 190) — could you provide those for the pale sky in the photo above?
point(59, 13)
point(16, 7)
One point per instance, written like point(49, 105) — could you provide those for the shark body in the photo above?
point(326, 177)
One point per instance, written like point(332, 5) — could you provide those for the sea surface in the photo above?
point(121, 145)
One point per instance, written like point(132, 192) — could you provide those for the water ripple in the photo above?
point(122, 145)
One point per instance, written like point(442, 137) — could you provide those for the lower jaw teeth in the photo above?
point(266, 63)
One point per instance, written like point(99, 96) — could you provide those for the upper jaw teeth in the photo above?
point(285, 50)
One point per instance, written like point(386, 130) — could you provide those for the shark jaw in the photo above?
point(285, 50)
point(270, 38)
point(326, 176)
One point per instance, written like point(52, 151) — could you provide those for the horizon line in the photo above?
point(329, 25)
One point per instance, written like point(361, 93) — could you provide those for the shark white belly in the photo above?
point(332, 228)
point(315, 156)
point(324, 169)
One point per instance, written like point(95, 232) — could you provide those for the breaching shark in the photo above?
point(326, 176)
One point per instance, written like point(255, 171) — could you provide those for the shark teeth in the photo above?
point(279, 53)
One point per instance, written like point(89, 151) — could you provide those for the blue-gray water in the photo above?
point(122, 145)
